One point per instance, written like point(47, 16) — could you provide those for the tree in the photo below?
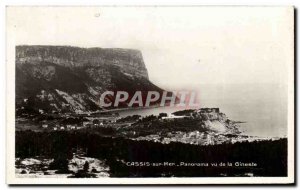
point(86, 166)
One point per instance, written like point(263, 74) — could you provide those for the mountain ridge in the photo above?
point(71, 79)
point(130, 60)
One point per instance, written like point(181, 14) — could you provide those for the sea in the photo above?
point(261, 107)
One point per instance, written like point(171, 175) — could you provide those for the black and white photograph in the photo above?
point(150, 94)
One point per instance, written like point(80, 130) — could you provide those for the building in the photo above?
point(209, 110)
point(86, 123)
point(70, 127)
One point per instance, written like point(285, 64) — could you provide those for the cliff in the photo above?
point(59, 79)
point(128, 60)
point(211, 119)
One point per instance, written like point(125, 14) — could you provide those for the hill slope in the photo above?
point(70, 79)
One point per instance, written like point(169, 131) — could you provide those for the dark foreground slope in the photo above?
point(129, 158)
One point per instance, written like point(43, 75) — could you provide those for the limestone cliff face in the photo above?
point(212, 120)
point(128, 60)
point(71, 79)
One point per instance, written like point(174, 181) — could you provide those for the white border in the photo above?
point(10, 131)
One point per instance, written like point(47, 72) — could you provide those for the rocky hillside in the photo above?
point(70, 79)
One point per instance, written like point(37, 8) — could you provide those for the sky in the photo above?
point(181, 47)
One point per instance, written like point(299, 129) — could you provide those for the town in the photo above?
point(205, 126)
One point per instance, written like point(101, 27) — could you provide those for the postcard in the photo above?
point(150, 95)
